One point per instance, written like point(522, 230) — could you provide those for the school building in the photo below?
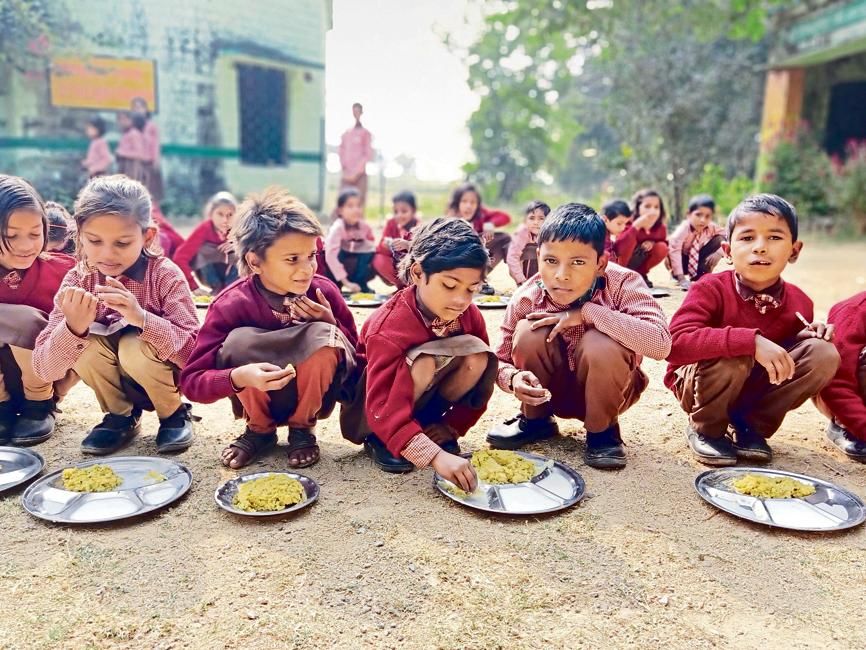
point(237, 91)
point(816, 73)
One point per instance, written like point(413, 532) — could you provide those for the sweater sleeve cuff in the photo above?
point(420, 451)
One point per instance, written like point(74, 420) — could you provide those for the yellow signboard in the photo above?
point(102, 83)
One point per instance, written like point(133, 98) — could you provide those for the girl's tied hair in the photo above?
point(119, 196)
point(263, 218)
point(218, 199)
point(443, 244)
point(60, 224)
point(640, 196)
point(18, 194)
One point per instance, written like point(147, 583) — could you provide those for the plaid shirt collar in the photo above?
point(438, 326)
point(137, 271)
point(278, 302)
point(769, 298)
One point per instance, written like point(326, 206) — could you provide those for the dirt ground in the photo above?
point(384, 561)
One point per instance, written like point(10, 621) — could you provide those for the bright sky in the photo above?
point(387, 55)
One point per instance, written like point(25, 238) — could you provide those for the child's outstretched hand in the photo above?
point(775, 360)
point(305, 310)
point(79, 309)
point(456, 469)
point(121, 300)
point(816, 330)
point(560, 321)
point(528, 389)
point(400, 245)
point(262, 376)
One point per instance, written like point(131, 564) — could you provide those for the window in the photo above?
point(262, 98)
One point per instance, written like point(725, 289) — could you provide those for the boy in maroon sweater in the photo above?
point(741, 355)
point(430, 371)
point(843, 400)
point(395, 239)
point(279, 341)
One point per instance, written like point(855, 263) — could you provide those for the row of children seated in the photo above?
point(282, 346)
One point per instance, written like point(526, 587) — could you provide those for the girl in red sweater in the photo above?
point(644, 245)
point(741, 357)
point(29, 278)
point(395, 239)
point(430, 371)
point(466, 204)
point(207, 253)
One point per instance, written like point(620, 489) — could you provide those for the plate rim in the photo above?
point(27, 451)
point(699, 480)
point(274, 513)
point(568, 469)
point(101, 461)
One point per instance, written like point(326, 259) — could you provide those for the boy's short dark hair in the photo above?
point(574, 222)
point(406, 197)
point(701, 201)
point(765, 204)
point(616, 208)
point(532, 206)
point(443, 244)
point(264, 218)
point(97, 123)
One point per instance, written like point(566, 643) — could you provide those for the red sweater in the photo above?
point(186, 252)
point(394, 231)
point(387, 335)
point(659, 232)
point(715, 322)
point(169, 238)
point(241, 305)
point(843, 395)
point(39, 283)
point(488, 215)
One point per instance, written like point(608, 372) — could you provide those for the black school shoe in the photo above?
point(751, 446)
point(846, 443)
point(112, 434)
point(8, 416)
point(35, 423)
point(604, 449)
point(487, 290)
point(175, 431)
point(715, 452)
point(384, 459)
point(520, 431)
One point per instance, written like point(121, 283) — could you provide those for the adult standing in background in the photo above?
point(356, 150)
point(152, 171)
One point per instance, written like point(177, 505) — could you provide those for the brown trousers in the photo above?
point(110, 362)
point(497, 247)
point(738, 390)
point(32, 387)
point(861, 384)
point(312, 382)
point(607, 379)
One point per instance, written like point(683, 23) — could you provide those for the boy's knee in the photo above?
point(528, 341)
point(133, 352)
point(474, 365)
point(598, 348)
point(823, 358)
point(733, 367)
point(422, 371)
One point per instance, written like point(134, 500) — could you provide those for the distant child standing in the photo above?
point(843, 400)
point(696, 244)
point(207, 253)
point(61, 229)
point(29, 278)
point(741, 357)
point(152, 149)
point(429, 369)
point(573, 340)
point(280, 342)
point(350, 244)
point(466, 204)
point(522, 257)
point(617, 219)
point(131, 152)
point(395, 239)
point(123, 319)
point(99, 158)
point(647, 246)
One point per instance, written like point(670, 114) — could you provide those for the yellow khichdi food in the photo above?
point(362, 296)
point(203, 300)
point(770, 487)
point(96, 478)
point(500, 466)
point(269, 494)
point(155, 476)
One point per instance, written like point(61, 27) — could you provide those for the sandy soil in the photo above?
point(384, 561)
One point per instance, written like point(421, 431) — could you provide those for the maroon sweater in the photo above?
point(241, 305)
point(393, 230)
point(843, 395)
point(39, 283)
point(715, 322)
point(186, 252)
point(387, 335)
